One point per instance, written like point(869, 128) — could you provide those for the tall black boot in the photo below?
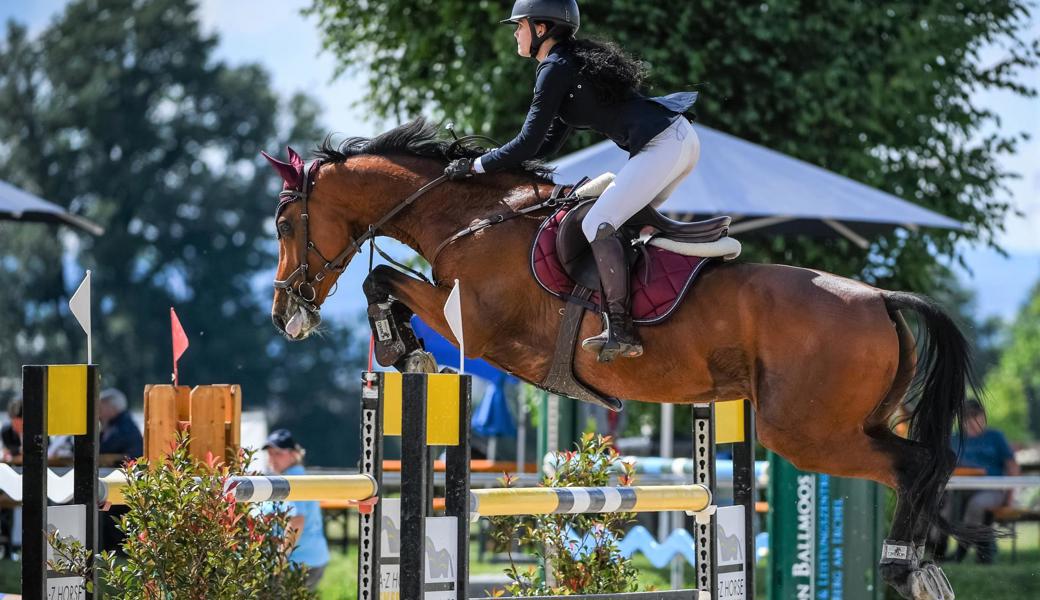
point(619, 337)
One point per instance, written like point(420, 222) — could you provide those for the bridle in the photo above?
point(304, 290)
point(296, 285)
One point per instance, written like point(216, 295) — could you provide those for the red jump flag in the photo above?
point(180, 341)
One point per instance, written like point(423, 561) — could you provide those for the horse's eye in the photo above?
point(284, 227)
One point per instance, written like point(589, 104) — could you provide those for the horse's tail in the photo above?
point(936, 403)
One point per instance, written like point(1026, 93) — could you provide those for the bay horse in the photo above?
point(826, 361)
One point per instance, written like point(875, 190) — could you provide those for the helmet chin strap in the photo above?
point(536, 41)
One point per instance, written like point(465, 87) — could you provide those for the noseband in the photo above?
point(297, 285)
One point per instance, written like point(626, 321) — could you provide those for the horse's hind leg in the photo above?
point(902, 565)
point(850, 437)
point(901, 556)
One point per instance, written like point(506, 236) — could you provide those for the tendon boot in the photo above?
point(619, 337)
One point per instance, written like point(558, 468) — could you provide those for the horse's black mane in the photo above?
point(419, 138)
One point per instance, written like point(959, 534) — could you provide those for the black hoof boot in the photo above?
point(392, 330)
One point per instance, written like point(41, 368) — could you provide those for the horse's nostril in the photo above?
point(279, 322)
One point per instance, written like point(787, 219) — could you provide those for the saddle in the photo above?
point(665, 258)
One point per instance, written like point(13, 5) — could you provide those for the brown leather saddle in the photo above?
point(575, 254)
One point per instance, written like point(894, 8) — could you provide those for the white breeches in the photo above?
point(649, 177)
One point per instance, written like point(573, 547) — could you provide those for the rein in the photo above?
point(304, 291)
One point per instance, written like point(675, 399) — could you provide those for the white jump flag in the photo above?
point(79, 304)
point(453, 314)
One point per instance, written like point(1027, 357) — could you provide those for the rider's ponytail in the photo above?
point(615, 75)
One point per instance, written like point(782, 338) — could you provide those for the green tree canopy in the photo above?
point(882, 92)
point(1013, 386)
point(120, 111)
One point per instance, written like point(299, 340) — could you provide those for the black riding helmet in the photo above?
point(563, 14)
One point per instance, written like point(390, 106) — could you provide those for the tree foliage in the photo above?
point(882, 92)
point(132, 122)
point(1013, 387)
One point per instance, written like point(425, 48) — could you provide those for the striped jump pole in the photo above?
point(585, 500)
point(269, 488)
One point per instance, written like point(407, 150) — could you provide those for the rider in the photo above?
point(593, 85)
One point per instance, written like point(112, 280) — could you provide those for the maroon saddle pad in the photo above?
point(660, 279)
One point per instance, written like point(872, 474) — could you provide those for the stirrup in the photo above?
point(607, 347)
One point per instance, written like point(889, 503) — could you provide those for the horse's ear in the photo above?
point(295, 159)
point(287, 171)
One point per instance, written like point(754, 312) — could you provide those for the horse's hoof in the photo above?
point(929, 583)
point(418, 361)
point(941, 581)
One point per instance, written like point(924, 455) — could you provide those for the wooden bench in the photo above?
point(1010, 517)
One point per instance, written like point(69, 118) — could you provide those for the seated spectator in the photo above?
point(11, 438)
point(285, 457)
point(119, 433)
point(119, 436)
point(11, 433)
point(986, 449)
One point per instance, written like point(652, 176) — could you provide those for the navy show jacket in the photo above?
point(564, 100)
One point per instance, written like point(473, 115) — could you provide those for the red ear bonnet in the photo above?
point(291, 172)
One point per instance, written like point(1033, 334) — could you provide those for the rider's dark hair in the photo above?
point(613, 73)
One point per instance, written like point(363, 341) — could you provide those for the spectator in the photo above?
point(121, 437)
point(986, 449)
point(285, 457)
point(11, 433)
point(119, 433)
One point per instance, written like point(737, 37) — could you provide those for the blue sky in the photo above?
point(274, 34)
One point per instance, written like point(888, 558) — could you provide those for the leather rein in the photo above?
point(304, 291)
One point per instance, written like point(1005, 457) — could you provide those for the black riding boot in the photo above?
point(619, 337)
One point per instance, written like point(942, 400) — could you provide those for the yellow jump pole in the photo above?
point(582, 500)
point(271, 488)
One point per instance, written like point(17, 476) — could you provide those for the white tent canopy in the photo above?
point(19, 205)
point(764, 189)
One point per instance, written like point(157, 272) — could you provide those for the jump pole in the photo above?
point(269, 488)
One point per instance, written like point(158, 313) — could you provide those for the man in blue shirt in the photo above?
point(285, 457)
point(986, 449)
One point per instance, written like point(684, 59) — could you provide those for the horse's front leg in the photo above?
point(391, 295)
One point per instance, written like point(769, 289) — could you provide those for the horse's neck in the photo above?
point(450, 208)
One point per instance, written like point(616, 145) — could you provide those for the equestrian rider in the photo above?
point(583, 84)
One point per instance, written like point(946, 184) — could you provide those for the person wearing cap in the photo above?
point(285, 457)
point(587, 84)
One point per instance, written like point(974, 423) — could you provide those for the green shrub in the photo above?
point(589, 563)
point(186, 539)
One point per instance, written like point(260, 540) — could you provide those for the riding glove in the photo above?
point(458, 169)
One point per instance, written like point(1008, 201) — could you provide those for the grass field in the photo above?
point(1001, 581)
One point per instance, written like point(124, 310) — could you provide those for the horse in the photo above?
point(826, 361)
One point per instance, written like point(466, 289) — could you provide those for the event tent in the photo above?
point(767, 192)
point(18, 205)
